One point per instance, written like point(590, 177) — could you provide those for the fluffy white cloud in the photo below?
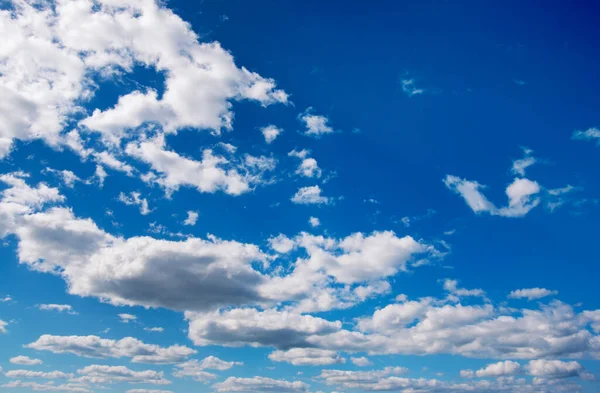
point(316, 125)
point(68, 177)
point(195, 369)
point(358, 379)
point(361, 361)
point(314, 222)
point(134, 199)
point(57, 307)
point(37, 374)
point(499, 369)
point(310, 196)
point(49, 386)
point(96, 347)
point(591, 134)
point(521, 196)
point(57, 49)
point(260, 385)
point(531, 293)
point(308, 166)
point(100, 374)
point(147, 391)
point(25, 361)
point(239, 327)
point(3, 327)
point(126, 318)
point(270, 133)
point(192, 218)
point(452, 287)
point(542, 368)
point(307, 357)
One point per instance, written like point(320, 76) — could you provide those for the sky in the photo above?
point(299, 196)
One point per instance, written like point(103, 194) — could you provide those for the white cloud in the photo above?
point(591, 134)
point(270, 133)
point(499, 369)
point(37, 374)
point(307, 357)
point(358, 379)
point(314, 222)
point(3, 326)
point(316, 125)
point(260, 385)
point(134, 199)
point(310, 196)
point(195, 369)
point(452, 287)
point(96, 347)
point(25, 361)
point(361, 361)
point(282, 244)
point(519, 166)
point(240, 327)
point(192, 218)
point(521, 195)
point(542, 368)
point(100, 374)
point(126, 318)
point(409, 88)
point(57, 307)
point(65, 45)
point(531, 293)
point(154, 329)
point(308, 166)
point(68, 177)
point(49, 386)
point(147, 391)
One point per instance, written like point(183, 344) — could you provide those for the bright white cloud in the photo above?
point(260, 385)
point(314, 222)
point(100, 374)
point(96, 347)
point(49, 386)
point(519, 166)
point(192, 218)
point(558, 369)
point(196, 369)
point(307, 357)
point(531, 293)
point(126, 318)
point(521, 196)
point(499, 369)
point(270, 133)
point(310, 196)
point(25, 361)
point(316, 125)
point(308, 166)
point(361, 361)
point(38, 374)
point(3, 326)
point(134, 199)
point(57, 307)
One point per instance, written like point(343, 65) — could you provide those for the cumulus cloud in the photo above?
point(307, 357)
point(49, 386)
point(531, 293)
point(310, 196)
point(316, 125)
point(192, 218)
point(100, 374)
point(260, 385)
point(314, 222)
point(25, 361)
point(361, 361)
point(196, 369)
point(96, 347)
point(499, 369)
point(557, 369)
point(3, 325)
point(308, 166)
point(61, 45)
point(270, 132)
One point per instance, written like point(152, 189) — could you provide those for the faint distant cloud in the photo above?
point(591, 134)
point(519, 82)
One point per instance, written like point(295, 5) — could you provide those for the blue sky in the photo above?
point(234, 196)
